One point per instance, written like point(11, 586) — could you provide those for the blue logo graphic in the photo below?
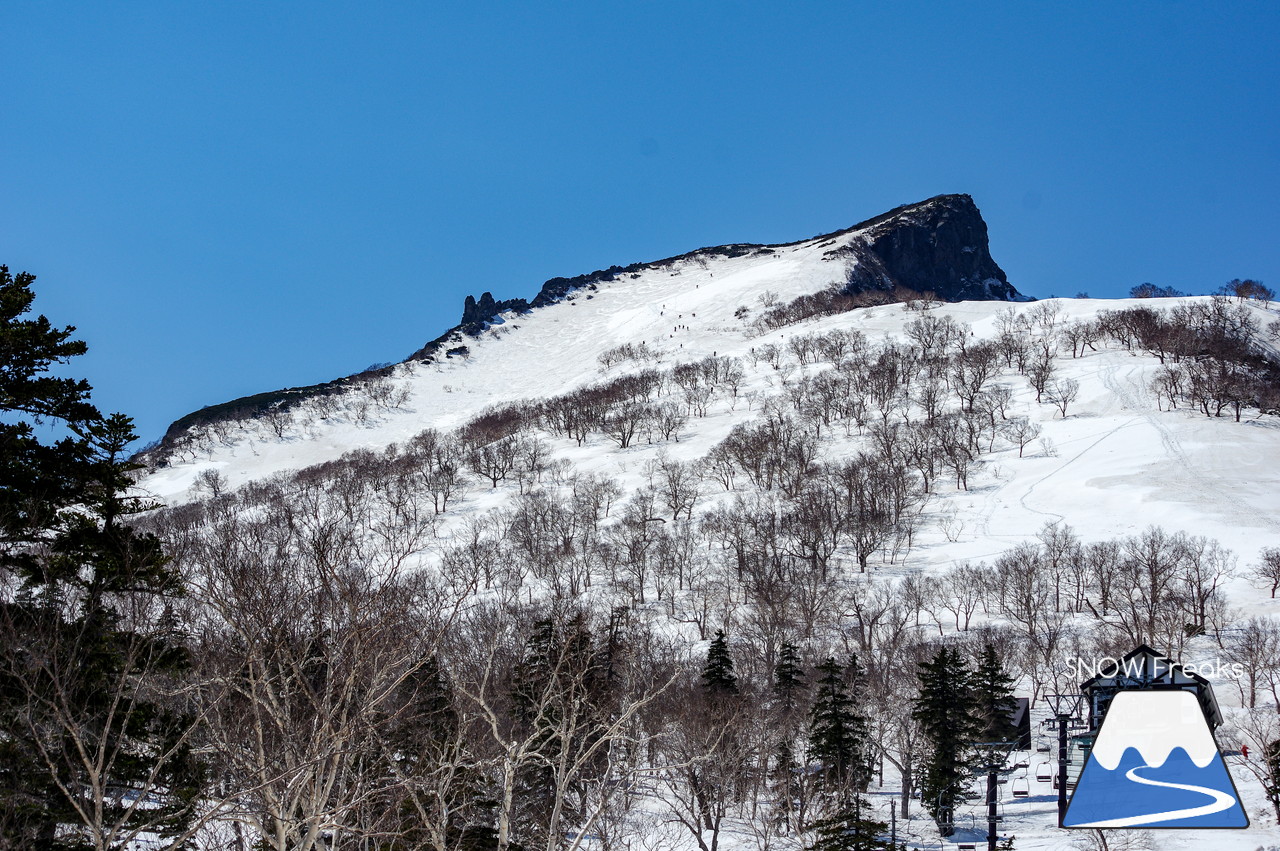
point(1155, 764)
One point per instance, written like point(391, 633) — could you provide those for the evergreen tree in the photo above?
point(848, 828)
point(93, 753)
point(788, 678)
point(837, 733)
point(431, 758)
point(718, 678)
point(536, 708)
point(788, 685)
point(559, 696)
point(993, 700)
point(838, 741)
point(785, 783)
point(946, 715)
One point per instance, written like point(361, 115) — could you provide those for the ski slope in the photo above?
point(1113, 466)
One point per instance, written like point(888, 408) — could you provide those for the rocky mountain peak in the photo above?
point(938, 245)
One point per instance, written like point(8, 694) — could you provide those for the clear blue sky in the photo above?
point(228, 198)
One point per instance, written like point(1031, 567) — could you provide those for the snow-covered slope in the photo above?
point(1120, 462)
point(1115, 464)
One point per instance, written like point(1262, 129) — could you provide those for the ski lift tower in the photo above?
point(993, 762)
point(1064, 708)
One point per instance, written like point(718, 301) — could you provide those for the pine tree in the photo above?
point(718, 678)
point(849, 829)
point(785, 783)
point(993, 700)
point(837, 733)
point(427, 729)
point(788, 685)
point(93, 752)
point(946, 714)
point(558, 698)
point(536, 707)
point(788, 678)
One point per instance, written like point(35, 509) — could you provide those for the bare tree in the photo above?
point(1040, 372)
point(971, 370)
point(1259, 730)
point(278, 419)
point(1144, 595)
point(1267, 569)
point(1256, 646)
point(677, 483)
point(292, 713)
point(1061, 392)
point(562, 727)
point(1205, 566)
point(701, 765)
point(1021, 431)
point(967, 584)
point(495, 460)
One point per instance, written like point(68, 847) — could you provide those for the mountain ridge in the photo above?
point(941, 239)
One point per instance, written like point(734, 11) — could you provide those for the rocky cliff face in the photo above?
point(939, 246)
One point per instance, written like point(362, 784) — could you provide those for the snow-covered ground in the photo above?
point(1115, 465)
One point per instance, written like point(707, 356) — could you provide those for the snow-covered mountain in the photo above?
point(706, 301)
point(1119, 458)
point(789, 331)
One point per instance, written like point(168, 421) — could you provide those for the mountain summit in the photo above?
point(936, 246)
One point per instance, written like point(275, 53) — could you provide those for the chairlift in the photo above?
point(1042, 747)
point(1021, 787)
point(1044, 772)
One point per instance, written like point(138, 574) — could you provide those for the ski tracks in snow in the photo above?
point(1213, 488)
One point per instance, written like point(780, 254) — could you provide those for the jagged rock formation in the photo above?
point(476, 313)
point(939, 246)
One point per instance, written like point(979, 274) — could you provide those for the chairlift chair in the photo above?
point(1044, 772)
point(1021, 787)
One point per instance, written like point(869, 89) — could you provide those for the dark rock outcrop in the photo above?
point(475, 314)
point(939, 246)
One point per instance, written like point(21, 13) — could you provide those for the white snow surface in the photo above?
point(1120, 464)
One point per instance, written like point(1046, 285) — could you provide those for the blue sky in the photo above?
point(228, 198)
